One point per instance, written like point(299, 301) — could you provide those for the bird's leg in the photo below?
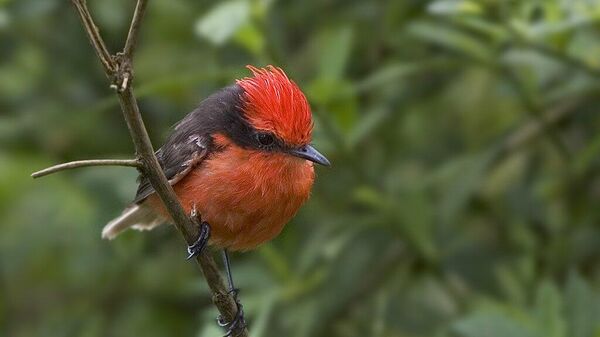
point(196, 248)
point(238, 322)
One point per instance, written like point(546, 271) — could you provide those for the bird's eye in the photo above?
point(265, 139)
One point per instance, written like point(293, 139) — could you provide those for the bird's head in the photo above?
point(278, 111)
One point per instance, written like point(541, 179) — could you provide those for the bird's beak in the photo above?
point(310, 153)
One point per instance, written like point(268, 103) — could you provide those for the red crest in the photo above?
point(274, 103)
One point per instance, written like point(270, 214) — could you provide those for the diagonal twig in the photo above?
point(94, 35)
point(119, 69)
point(134, 29)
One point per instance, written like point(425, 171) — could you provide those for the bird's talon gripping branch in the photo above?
point(238, 323)
point(234, 292)
point(197, 247)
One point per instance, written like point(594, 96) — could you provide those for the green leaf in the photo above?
point(223, 21)
point(548, 310)
point(368, 122)
point(260, 325)
point(491, 324)
point(334, 48)
point(453, 7)
point(5, 19)
point(462, 177)
point(251, 38)
point(338, 98)
point(399, 71)
point(490, 29)
point(452, 39)
point(582, 308)
point(588, 155)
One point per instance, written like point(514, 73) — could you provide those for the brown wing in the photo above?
point(177, 158)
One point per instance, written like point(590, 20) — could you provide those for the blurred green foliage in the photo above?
point(463, 198)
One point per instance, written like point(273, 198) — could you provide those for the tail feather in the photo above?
point(138, 217)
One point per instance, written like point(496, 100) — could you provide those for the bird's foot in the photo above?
point(238, 323)
point(197, 247)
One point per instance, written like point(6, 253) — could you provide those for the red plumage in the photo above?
point(273, 102)
point(245, 195)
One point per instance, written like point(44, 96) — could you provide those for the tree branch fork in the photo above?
point(119, 69)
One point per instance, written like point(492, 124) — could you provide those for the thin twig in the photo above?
point(94, 35)
point(224, 301)
point(134, 29)
point(84, 163)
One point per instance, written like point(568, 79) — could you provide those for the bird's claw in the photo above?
point(197, 247)
point(194, 215)
point(239, 322)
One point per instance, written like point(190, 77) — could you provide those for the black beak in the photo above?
point(310, 153)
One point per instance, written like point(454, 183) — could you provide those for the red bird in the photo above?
point(242, 159)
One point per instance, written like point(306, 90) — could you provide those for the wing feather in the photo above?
point(177, 159)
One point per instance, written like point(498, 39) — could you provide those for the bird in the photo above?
point(242, 161)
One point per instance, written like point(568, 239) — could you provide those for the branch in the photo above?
point(84, 163)
point(94, 35)
point(134, 29)
point(120, 71)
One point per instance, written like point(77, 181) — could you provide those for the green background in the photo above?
point(463, 200)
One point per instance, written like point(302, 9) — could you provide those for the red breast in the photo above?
point(246, 196)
